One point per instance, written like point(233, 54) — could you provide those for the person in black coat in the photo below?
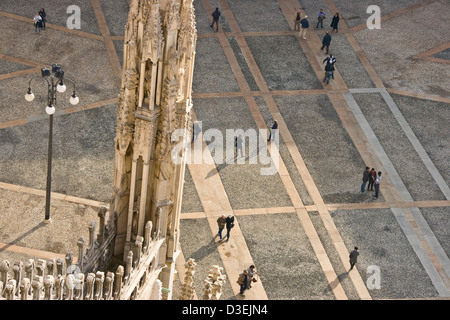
point(329, 68)
point(326, 42)
point(335, 22)
point(304, 27)
point(215, 15)
point(229, 225)
point(273, 130)
point(353, 257)
point(44, 17)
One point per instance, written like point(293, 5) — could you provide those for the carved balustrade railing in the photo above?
point(64, 279)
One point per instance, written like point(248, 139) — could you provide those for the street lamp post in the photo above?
point(55, 81)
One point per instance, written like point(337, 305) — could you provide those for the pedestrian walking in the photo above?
point(243, 282)
point(332, 61)
point(229, 224)
point(320, 19)
point(304, 27)
point(273, 130)
point(221, 222)
point(37, 23)
point(377, 184)
point(238, 142)
point(353, 257)
point(335, 22)
point(215, 15)
point(326, 42)
point(365, 179)
point(297, 19)
point(195, 131)
point(251, 273)
point(44, 18)
point(329, 68)
point(372, 178)
point(327, 73)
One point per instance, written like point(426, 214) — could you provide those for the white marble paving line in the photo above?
point(421, 253)
point(411, 136)
point(425, 228)
point(399, 213)
point(416, 144)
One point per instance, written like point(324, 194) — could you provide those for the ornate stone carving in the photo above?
point(188, 288)
point(109, 286)
point(213, 283)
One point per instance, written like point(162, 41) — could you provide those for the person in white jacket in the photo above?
point(377, 184)
point(37, 23)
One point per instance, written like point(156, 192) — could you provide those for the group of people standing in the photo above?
point(372, 179)
point(39, 21)
point(302, 24)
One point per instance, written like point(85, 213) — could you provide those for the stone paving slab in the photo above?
point(382, 243)
point(266, 16)
point(428, 119)
point(419, 75)
point(93, 77)
point(56, 12)
point(243, 64)
point(9, 67)
point(347, 62)
point(82, 166)
point(199, 244)
point(391, 52)
point(282, 63)
point(312, 7)
point(213, 74)
point(444, 54)
point(330, 248)
point(191, 201)
point(405, 159)
point(328, 152)
point(437, 219)
point(22, 223)
point(203, 19)
point(245, 185)
point(286, 156)
point(284, 257)
point(116, 15)
point(356, 13)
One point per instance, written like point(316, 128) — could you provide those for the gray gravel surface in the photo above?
point(212, 71)
point(263, 15)
point(283, 256)
point(282, 63)
point(246, 187)
point(325, 146)
point(400, 151)
point(428, 120)
point(81, 166)
point(197, 242)
point(382, 243)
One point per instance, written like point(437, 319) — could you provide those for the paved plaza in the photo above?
point(388, 107)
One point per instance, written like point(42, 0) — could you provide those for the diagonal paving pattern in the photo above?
point(213, 194)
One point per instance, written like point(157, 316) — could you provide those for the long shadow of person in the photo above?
point(335, 282)
point(230, 160)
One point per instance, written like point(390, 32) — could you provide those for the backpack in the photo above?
point(298, 17)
